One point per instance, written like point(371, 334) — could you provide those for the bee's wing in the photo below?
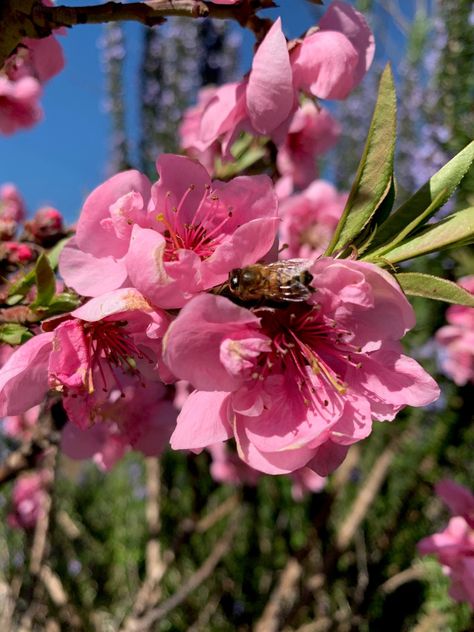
point(291, 267)
point(294, 290)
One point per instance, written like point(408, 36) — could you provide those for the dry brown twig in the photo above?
point(282, 599)
point(221, 548)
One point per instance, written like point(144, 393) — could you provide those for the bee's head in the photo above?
point(241, 278)
point(234, 278)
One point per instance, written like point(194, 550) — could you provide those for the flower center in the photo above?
point(310, 347)
point(201, 231)
point(110, 347)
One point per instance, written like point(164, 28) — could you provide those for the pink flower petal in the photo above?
point(90, 275)
point(270, 94)
point(24, 377)
point(341, 17)
point(91, 236)
point(203, 420)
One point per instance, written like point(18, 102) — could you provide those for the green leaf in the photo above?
point(455, 230)
point(439, 187)
point(14, 334)
point(428, 286)
point(45, 282)
point(373, 181)
point(20, 289)
point(62, 303)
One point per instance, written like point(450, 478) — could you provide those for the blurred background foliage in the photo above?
point(379, 504)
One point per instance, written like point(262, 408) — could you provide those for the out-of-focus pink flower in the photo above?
point(312, 132)
point(12, 205)
point(139, 417)
point(305, 481)
point(84, 357)
point(46, 227)
point(28, 498)
point(328, 64)
point(189, 132)
point(309, 220)
point(228, 468)
point(456, 340)
point(19, 106)
point(454, 546)
point(17, 252)
point(297, 386)
point(35, 62)
point(183, 240)
point(20, 426)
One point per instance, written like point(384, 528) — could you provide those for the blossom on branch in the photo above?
point(296, 386)
point(328, 63)
point(34, 63)
point(173, 240)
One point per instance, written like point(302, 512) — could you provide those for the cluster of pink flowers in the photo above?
point(34, 63)
point(456, 340)
point(295, 385)
point(454, 547)
point(328, 63)
point(20, 237)
point(28, 500)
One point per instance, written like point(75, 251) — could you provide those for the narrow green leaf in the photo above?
point(455, 230)
point(439, 187)
point(14, 334)
point(45, 281)
point(373, 181)
point(428, 286)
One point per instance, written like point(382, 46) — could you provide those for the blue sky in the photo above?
point(64, 157)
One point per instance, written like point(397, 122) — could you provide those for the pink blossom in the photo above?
point(171, 241)
point(28, 498)
point(85, 357)
point(454, 546)
point(139, 417)
point(46, 227)
point(311, 133)
point(189, 131)
point(309, 220)
point(456, 340)
point(327, 63)
point(20, 426)
point(17, 252)
point(34, 62)
point(19, 106)
point(228, 468)
point(296, 386)
point(12, 205)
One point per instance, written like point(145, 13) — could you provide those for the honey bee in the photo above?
point(280, 281)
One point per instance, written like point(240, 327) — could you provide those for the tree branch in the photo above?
point(30, 18)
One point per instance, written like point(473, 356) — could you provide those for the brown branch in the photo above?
point(282, 598)
point(220, 549)
point(30, 18)
point(365, 498)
